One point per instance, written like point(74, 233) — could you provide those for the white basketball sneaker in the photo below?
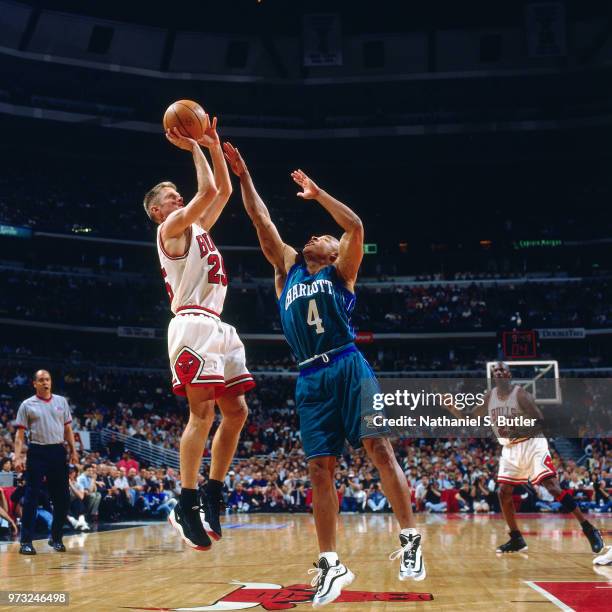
point(605, 559)
point(329, 581)
point(410, 555)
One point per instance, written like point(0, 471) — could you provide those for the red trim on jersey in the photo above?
point(236, 379)
point(180, 388)
point(161, 246)
point(238, 389)
point(511, 481)
point(44, 399)
point(196, 307)
point(543, 476)
point(20, 426)
point(67, 423)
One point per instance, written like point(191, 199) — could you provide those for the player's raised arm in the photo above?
point(210, 139)
point(280, 255)
point(350, 251)
point(178, 221)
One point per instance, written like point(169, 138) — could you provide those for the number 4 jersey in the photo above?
point(315, 311)
point(196, 278)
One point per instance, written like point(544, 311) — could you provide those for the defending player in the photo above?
point(523, 458)
point(206, 356)
point(316, 299)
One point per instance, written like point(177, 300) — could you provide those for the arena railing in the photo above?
point(154, 454)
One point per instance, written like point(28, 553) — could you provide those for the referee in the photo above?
point(47, 417)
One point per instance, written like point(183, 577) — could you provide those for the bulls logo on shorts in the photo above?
point(548, 462)
point(188, 366)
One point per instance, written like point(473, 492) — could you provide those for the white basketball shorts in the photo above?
point(204, 351)
point(526, 460)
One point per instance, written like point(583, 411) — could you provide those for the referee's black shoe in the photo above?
point(26, 548)
point(212, 506)
point(57, 545)
point(188, 523)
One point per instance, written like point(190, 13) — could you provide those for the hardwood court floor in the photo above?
point(149, 568)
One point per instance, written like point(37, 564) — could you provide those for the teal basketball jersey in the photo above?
point(315, 311)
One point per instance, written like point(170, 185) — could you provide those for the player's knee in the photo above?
point(242, 413)
point(201, 414)
point(381, 453)
point(235, 410)
point(318, 472)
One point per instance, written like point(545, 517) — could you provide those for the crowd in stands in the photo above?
point(270, 473)
point(94, 300)
point(445, 476)
point(142, 406)
point(84, 202)
point(75, 195)
point(77, 357)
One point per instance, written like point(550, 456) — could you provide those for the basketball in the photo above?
point(187, 116)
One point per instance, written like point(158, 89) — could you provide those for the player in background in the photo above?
point(207, 357)
point(316, 299)
point(523, 458)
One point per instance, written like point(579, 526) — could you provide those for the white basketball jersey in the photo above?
point(197, 279)
point(507, 408)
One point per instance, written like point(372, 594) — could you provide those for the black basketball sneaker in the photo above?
point(210, 509)
point(188, 523)
point(593, 536)
point(516, 543)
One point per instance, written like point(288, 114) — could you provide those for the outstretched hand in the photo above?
point(180, 141)
point(209, 138)
point(234, 159)
point(310, 190)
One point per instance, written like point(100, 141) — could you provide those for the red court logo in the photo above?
point(269, 596)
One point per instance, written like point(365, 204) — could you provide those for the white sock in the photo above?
point(332, 557)
point(409, 531)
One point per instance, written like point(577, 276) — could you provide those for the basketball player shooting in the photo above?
point(207, 357)
point(523, 459)
point(316, 298)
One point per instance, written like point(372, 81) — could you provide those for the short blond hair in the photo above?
point(152, 195)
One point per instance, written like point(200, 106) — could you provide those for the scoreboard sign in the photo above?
point(520, 344)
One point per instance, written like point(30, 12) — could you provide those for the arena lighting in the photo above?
point(370, 248)
point(486, 244)
point(15, 232)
